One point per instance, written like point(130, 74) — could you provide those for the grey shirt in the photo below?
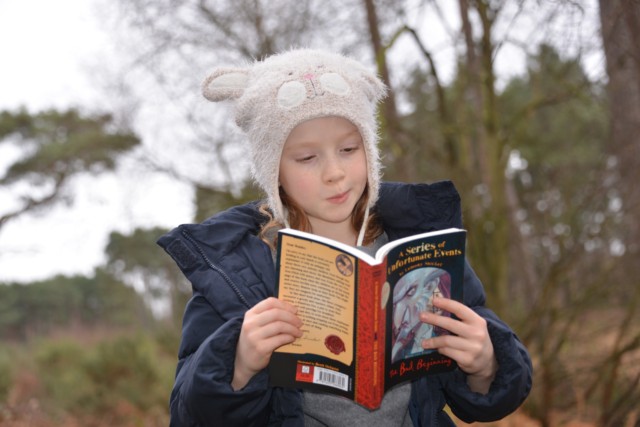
point(322, 409)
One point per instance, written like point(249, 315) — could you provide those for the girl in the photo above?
point(310, 119)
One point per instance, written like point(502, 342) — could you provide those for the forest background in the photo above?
point(545, 157)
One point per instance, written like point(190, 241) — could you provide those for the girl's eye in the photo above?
point(305, 159)
point(350, 149)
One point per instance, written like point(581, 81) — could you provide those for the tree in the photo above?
point(55, 146)
point(60, 303)
point(461, 136)
point(620, 30)
point(557, 174)
point(136, 259)
point(621, 41)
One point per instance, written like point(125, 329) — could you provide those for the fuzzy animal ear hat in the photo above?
point(275, 95)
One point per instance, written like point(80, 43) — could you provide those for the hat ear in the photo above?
point(225, 83)
point(373, 87)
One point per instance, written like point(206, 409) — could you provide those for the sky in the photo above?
point(43, 46)
point(54, 54)
point(51, 52)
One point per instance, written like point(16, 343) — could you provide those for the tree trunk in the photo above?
point(398, 145)
point(490, 220)
point(620, 20)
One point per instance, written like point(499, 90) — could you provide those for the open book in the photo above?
point(361, 331)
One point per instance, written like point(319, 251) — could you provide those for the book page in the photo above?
point(320, 281)
point(358, 253)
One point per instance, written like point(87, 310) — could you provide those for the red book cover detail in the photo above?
point(369, 382)
point(304, 373)
point(382, 296)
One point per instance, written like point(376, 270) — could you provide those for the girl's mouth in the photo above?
point(339, 198)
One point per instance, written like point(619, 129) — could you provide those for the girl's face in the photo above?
point(323, 168)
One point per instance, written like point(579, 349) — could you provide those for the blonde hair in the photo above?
point(298, 220)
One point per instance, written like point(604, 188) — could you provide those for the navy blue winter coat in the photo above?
point(231, 270)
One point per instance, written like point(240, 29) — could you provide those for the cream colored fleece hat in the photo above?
point(275, 95)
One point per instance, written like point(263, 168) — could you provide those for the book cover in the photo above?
point(361, 332)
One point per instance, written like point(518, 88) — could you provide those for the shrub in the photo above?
point(61, 369)
point(6, 377)
point(99, 379)
point(125, 370)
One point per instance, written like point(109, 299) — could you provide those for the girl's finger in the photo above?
point(271, 303)
point(450, 324)
point(456, 308)
point(464, 352)
point(274, 329)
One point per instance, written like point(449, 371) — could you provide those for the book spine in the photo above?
point(382, 297)
point(369, 381)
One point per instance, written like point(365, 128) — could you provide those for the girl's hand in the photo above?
point(268, 325)
point(471, 345)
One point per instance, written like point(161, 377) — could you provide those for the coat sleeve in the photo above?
point(202, 393)
point(513, 380)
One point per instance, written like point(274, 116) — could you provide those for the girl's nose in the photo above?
point(333, 171)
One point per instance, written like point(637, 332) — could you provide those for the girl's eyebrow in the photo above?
point(311, 143)
point(302, 145)
point(351, 132)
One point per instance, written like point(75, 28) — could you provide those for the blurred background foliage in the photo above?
point(546, 162)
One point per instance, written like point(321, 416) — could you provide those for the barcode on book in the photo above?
point(331, 378)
